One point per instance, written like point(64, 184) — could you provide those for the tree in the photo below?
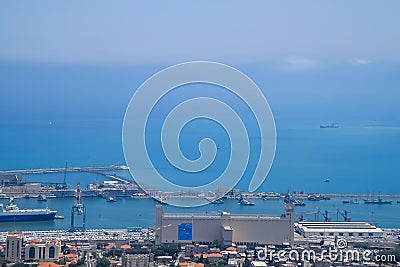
point(218, 244)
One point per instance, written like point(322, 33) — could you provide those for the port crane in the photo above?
point(344, 214)
point(324, 214)
point(78, 209)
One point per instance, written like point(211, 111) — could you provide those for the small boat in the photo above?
point(59, 217)
point(398, 201)
point(111, 199)
point(327, 180)
point(346, 201)
point(42, 198)
point(297, 202)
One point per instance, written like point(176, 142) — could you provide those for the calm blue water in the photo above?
point(357, 157)
point(141, 212)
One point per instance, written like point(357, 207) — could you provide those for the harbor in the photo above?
point(104, 197)
point(101, 213)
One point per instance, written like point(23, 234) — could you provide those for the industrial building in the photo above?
point(231, 229)
point(356, 229)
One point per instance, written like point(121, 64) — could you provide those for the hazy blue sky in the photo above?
point(330, 59)
point(295, 34)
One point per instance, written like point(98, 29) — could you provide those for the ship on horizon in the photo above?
point(329, 126)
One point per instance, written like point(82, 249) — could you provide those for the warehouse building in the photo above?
point(231, 229)
point(356, 229)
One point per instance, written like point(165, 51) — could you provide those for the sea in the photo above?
point(51, 114)
point(356, 158)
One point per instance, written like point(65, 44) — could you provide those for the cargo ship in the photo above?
point(13, 214)
point(329, 126)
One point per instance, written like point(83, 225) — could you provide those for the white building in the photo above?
point(351, 229)
point(35, 250)
point(229, 228)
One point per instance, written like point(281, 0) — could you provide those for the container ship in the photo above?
point(13, 214)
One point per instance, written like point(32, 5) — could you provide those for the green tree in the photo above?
point(221, 263)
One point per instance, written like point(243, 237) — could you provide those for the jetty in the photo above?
point(96, 170)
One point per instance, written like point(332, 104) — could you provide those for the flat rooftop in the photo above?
point(216, 217)
point(359, 227)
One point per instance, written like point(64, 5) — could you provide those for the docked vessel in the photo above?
point(42, 198)
point(217, 201)
point(13, 214)
point(377, 201)
point(245, 202)
point(314, 197)
point(289, 199)
point(352, 201)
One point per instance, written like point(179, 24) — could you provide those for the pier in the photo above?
point(95, 170)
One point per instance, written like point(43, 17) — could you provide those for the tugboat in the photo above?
point(111, 199)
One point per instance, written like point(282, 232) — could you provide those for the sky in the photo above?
point(77, 59)
point(296, 35)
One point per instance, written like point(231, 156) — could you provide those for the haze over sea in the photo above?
point(52, 113)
